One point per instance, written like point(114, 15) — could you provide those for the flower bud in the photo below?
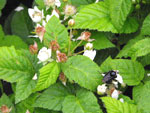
point(54, 45)
point(63, 78)
point(71, 22)
point(69, 10)
point(138, 6)
point(27, 111)
point(133, 1)
point(88, 46)
point(85, 36)
point(5, 109)
point(40, 31)
point(101, 89)
point(61, 57)
point(33, 48)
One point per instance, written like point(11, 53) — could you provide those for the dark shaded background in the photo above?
point(11, 5)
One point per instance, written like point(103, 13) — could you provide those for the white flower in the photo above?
point(70, 10)
point(96, 1)
point(90, 53)
point(35, 14)
point(115, 83)
point(121, 100)
point(148, 74)
point(35, 77)
point(88, 46)
point(51, 3)
point(101, 89)
point(57, 3)
point(19, 8)
point(27, 111)
point(115, 94)
point(54, 12)
point(44, 54)
point(119, 79)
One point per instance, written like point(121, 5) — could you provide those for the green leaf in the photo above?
point(21, 24)
point(2, 4)
point(56, 31)
point(101, 41)
point(40, 110)
point(141, 96)
point(144, 60)
point(78, 3)
point(83, 102)
point(115, 106)
point(14, 66)
point(4, 100)
point(141, 48)
point(53, 97)
point(1, 33)
point(27, 104)
point(24, 88)
point(127, 47)
point(83, 71)
point(146, 25)
point(131, 71)
point(48, 76)
point(40, 3)
point(100, 19)
point(12, 40)
point(119, 10)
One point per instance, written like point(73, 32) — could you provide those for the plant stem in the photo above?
point(79, 52)
point(70, 42)
point(77, 45)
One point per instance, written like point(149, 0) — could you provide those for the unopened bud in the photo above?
point(33, 48)
point(71, 22)
point(61, 57)
point(40, 31)
point(88, 46)
point(63, 78)
point(54, 45)
point(133, 1)
point(138, 6)
point(5, 109)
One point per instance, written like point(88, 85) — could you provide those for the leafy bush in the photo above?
point(76, 56)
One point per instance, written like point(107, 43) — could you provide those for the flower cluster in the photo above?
point(111, 85)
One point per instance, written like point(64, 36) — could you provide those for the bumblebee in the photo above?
point(110, 76)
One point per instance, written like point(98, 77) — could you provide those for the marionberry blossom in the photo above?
point(121, 100)
point(35, 77)
point(5, 109)
point(54, 45)
point(63, 78)
point(52, 3)
point(44, 54)
point(101, 89)
point(61, 57)
point(33, 48)
point(54, 12)
point(88, 46)
point(115, 94)
point(27, 111)
point(35, 14)
point(19, 8)
point(96, 1)
point(90, 53)
point(85, 36)
point(120, 80)
point(71, 22)
point(69, 10)
point(40, 31)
